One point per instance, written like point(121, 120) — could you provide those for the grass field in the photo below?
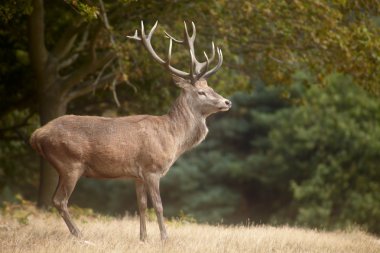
point(28, 230)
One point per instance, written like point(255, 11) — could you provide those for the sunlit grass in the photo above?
point(24, 229)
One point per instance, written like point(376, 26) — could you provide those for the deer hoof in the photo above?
point(164, 237)
point(76, 233)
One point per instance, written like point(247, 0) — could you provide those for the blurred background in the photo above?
point(301, 145)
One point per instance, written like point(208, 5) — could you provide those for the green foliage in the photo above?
point(11, 9)
point(87, 11)
point(183, 218)
point(273, 39)
point(11, 207)
point(330, 146)
point(111, 197)
point(18, 165)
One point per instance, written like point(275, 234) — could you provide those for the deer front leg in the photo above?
point(153, 184)
point(142, 203)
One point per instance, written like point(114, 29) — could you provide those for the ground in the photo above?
point(28, 230)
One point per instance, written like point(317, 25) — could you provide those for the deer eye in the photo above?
point(201, 93)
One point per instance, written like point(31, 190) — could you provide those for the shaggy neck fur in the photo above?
point(187, 123)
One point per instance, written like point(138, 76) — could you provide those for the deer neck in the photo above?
point(187, 124)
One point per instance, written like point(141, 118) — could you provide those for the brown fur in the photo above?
point(142, 147)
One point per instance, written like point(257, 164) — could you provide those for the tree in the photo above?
point(65, 72)
point(274, 39)
point(330, 146)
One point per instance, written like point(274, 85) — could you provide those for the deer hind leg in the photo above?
point(153, 184)
point(61, 197)
point(142, 203)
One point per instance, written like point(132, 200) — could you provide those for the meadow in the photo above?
point(26, 229)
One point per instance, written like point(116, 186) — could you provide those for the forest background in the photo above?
point(300, 146)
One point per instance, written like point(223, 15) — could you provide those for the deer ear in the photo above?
point(180, 82)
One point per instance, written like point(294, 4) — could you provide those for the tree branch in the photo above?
point(37, 51)
point(91, 66)
point(68, 61)
point(67, 40)
point(108, 27)
point(74, 85)
point(101, 73)
point(94, 40)
point(74, 56)
point(83, 41)
point(114, 93)
point(88, 87)
point(106, 23)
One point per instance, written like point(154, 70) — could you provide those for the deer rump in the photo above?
point(102, 147)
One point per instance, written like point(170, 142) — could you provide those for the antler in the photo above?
point(198, 69)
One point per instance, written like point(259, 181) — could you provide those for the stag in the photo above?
point(141, 147)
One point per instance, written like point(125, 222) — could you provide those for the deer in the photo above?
point(139, 147)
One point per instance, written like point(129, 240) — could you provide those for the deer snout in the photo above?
point(225, 105)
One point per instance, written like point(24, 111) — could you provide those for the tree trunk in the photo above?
point(51, 106)
point(54, 91)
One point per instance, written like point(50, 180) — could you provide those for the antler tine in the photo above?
point(190, 39)
point(205, 66)
point(146, 42)
point(169, 52)
point(213, 51)
point(220, 61)
point(186, 32)
point(135, 36)
point(193, 73)
point(142, 29)
point(174, 39)
point(194, 32)
point(193, 61)
point(148, 46)
point(152, 30)
point(198, 66)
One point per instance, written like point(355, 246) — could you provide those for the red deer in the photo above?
point(141, 147)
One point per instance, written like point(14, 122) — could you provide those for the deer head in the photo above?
point(199, 96)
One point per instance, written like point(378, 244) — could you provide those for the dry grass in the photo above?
point(34, 231)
